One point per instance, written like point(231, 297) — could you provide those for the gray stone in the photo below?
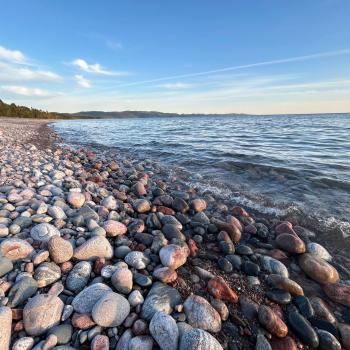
point(5, 265)
point(142, 342)
point(43, 232)
point(46, 274)
point(5, 327)
point(199, 340)
point(22, 291)
point(136, 259)
point(63, 332)
point(25, 343)
point(79, 276)
point(318, 250)
point(164, 330)
point(274, 266)
point(262, 343)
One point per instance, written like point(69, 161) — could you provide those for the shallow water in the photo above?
point(285, 164)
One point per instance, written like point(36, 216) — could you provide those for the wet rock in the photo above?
point(180, 205)
point(318, 251)
point(218, 288)
point(43, 232)
point(22, 291)
point(225, 265)
point(88, 297)
point(78, 276)
point(15, 249)
point(232, 230)
point(290, 243)
point(322, 310)
point(286, 343)
point(200, 340)
point(249, 307)
point(136, 259)
point(94, 248)
point(60, 249)
point(344, 330)
point(41, 313)
point(164, 330)
point(284, 283)
point(76, 199)
point(244, 250)
point(161, 297)
point(279, 296)
point(5, 327)
point(274, 266)
point(110, 310)
point(198, 205)
point(174, 255)
point(250, 269)
point(338, 292)
point(272, 322)
point(200, 314)
point(46, 274)
point(304, 306)
point(327, 341)
point(262, 343)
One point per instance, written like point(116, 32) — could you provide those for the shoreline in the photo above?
point(201, 241)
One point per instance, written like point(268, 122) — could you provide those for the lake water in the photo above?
point(284, 165)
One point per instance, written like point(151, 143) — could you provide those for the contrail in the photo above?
point(244, 66)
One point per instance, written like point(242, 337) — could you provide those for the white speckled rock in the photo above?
point(43, 232)
point(200, 314)
point(136, 259)
point(164, 330)
point(25, 343)
point(174, 255)
point(199, 340)
point(88, 297)
point(60, 249)
point(16, 249)
point(5, 327)
point(142, 342)
point(123, 343)
point(95, 247)
point(76, 199)
point(110, 310)
point(114, 228)
point(318, 250)
point(41, 313)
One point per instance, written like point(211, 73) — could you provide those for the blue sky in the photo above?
point(256, 56)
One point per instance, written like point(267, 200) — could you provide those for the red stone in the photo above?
point(338, 292)
point(82, 321)
point(234, 221)
point(165, 210)
point(100, 342)
point(193, 247)
point(272, 322)
point(239, 211)
point(218, 288)
point(286, 343)
point(17, 314)
point(285, 227)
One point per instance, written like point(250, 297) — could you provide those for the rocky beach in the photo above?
point(100, 252)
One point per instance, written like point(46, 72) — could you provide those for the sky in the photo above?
point(184, 56)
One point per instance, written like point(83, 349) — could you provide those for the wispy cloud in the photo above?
point(26, 91)
point(96, 68)
point(114, 45)
point(14, 56)
point(176, 86)
point(82, 82)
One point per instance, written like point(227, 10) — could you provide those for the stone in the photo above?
point(6, 265)
point(290, 243)
point(164, 330)
point(198, 205)
point(94, 248)
point(142, 342)
point(42, 313)
point(318, 269)
point(272, 322)
point(21, 291)
point(225, 265)
point(46, 274)
point(87, 213)
point(4, 231)
point(219, 289)
point(279, 296)
point(100, 342)
point(322, 310)
point(76, 199)
point(180, 205)
point(200, 314)
point(301, 327)
point(141, 205)
point(285, 283)
point(249, 307)
point(174, 255)
point(114, 228)
point(25, 343)
point(122, 251)
point(78, 276)
point(327, 341)
point(63, 332)
point(338, 292)
point(262, 343)
point(274, 266)
point(250, 269)
point(82, 321)
point(60, 249)
point(5, 327)
point(122, 280)
point(232, 230)
point(16, 249)
point(304, 306)
point(135, 298)
point(136, 259)
point(56, 212)
point(200, 340)
point(110, 310)
point(319, 251)
point(161, 297)
point(344, 330)
point(88, 297)
point(286, 343)
point(109, 202)
point(221, 308)
point(165, 274)
point(43, 232)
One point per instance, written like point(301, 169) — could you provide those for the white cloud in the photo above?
point(95, 68)
point(25, 91)
point(114, 45)
point(81, 81)
point(13, 56)
point(176, 86)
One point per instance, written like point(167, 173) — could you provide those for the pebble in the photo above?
point(100, 342)
point(114, 228)
point(122, 280)
point(200, 314)
point(174, 255)
point(338, 292)
point(200, 340)
point(135, 298)
point(76, 199)
point(141, 342)
point(5, 327)
point(63, 333)
point(43, 232)
point(94, 248)
point(286, 343)
point(25, 343)
point(78, 277)
point(304, 306)
point(60, 250)
point(262, 343)
point(21, 291)
point(274, 266)
point(327, 341)
point(250, 268)
point(344, 330)
point(284, 283)
point(6, 265)
point(136, 259)
point(290, 243)
point(16, 249)
point(318, 251)
point(164, 330)
point(279, 296)
point(272, 322)
point(46, 274)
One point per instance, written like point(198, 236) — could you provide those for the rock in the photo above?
point(139, 188)
point(200, 314)
point(78, 276)
point(165, 274)
point(110, 310)
point(142, 342)
point(174, 255)
point(5, 327)
point(180, 205)
point(109, 202)
point(262, 343)
point(43, 232)
point(318, 251)
point(290, 243)
point(249, 307)
point(94, 248)
point(232, 230)
point(21, 291)
point(100, 342)
point(285, 227)
point(200, 340)
point(56, 212)
point(322, 310)
point(41, 313)
point(76, 199)
point(304, 306)
point(136, 259)
point(15, 249)
point(272, 322)
point(344, 330)
point(279, 296)
point(338, 292)
point(301, 327)
point(274, 266)
point(135, 298)
point(60, 249)
point(63, 332)
point(244, 250)
point(82, 321)
point(88, 297)
point(141, 205)
point(87, 213)
point(4, 231)
point(114, 228)
point(46, 274)
point(122, 251)
point(284, 283)
point(171, 231)
point(327, 341)
point(318, 269)
point(25, 343)
point(5, 265)
point(225, 265)
point(164, 330)
point(250, 269)
point(161, 297)
point(286, 343)
point(198, 205)
point(218, 288)
point(122, 280)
